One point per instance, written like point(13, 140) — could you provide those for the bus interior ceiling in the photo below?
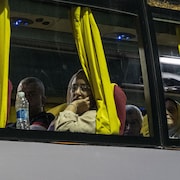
point(42, 45)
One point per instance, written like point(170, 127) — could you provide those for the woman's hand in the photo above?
point(82, 105)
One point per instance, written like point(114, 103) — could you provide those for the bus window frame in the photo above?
point(160, 138)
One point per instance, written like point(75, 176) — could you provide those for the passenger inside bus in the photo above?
point(80, 113)
point(119, 98)
point(173, 117)
point(133, 121)
point(35, 94)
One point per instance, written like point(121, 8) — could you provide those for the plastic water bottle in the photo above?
point(22, 111)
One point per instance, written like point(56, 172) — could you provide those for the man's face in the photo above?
point(34, 96)
point(133, 125)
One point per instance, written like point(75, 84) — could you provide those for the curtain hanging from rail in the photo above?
point(92, 58)
point(4, 59)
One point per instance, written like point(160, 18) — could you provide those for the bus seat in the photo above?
point(55, 110)
point(120, 102)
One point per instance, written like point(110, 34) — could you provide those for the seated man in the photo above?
point(35, 93)
point(133, 121)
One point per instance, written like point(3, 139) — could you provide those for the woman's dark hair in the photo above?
point(172, 100)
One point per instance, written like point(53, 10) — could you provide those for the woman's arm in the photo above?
point(70, 121)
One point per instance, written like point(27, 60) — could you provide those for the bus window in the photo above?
point(42, 45)
point(168, 40)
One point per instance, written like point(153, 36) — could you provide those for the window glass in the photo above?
point(42, 45)
point(167, 27)
point(120, 40)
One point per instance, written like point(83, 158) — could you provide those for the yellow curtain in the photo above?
point(145, 127)
point(178, 37)
point(92, 58)
point(4, 59)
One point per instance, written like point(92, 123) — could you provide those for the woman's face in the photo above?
point(79, 89)
point(172, 113)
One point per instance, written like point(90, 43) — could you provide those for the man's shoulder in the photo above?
point(44, 115)
point(43, 118)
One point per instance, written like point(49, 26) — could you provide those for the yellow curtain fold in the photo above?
point(145, 127)
point(4, 59)
point(93, 61)
point(178, 37)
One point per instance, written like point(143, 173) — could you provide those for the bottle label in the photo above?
point(22, 114)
